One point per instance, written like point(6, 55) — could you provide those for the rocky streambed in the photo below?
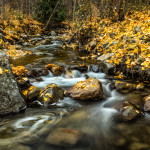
point(71, 105)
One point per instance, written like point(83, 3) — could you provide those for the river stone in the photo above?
point(51, 94)
point(64, 137)
point(33, 73)
point(42, 71)
point(104, 57)
point(24, 83)
point(11, 100)
point(45, 42)
point(128, 111)
point(90, 89)
point(82, 68)
point(56, 70)
point(69, 74)
point(139, 146)
point(146, 101)
point(120, 85)
point(32, 93)
point(107, 68)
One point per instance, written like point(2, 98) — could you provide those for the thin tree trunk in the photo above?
point(52, 15)
point(2, 10)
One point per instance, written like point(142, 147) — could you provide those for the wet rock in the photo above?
point(33, 73)
point(120, 85)
point(128, 110)
point(39, 79)
point(140, 86)
point(107, 68)
point(11, 100)
point(26, 44)
point(53, 33)
point(146, 101)
point(31, 94)
point(64, 137)
point(45, 42)
point(69, 74)
point(139, 146)
point(90, 89)
point(24, 83)
point(94, 68)
point(104, 57)
point(51, 94)
point(18, 47)
point(42, 72)
point(35, 104)
point(56, 70)
point(82, 68)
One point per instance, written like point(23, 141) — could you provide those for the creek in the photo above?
point(71, 124)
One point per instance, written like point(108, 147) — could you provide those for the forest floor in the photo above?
point(126, 44)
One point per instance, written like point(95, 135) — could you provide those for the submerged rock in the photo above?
point(64, 137)
point(128, 110)
point(11, 100)
point(56, 70)
point(139, 146)
point(51, 94)
point(146, 101)
point(90, 89)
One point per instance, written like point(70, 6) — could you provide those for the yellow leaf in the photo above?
point(1, 71)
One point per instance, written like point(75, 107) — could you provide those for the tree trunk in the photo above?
point(52, 15)
point(2, 9)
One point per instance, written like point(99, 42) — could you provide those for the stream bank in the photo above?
point(75, 124)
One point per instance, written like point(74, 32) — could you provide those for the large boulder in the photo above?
point(11, 100)
point(90, 89)
point(146, 101)
point(51, 94)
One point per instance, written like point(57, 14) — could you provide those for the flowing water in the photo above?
point(70, 124)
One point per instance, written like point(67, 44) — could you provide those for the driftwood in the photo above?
point(11, 100)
